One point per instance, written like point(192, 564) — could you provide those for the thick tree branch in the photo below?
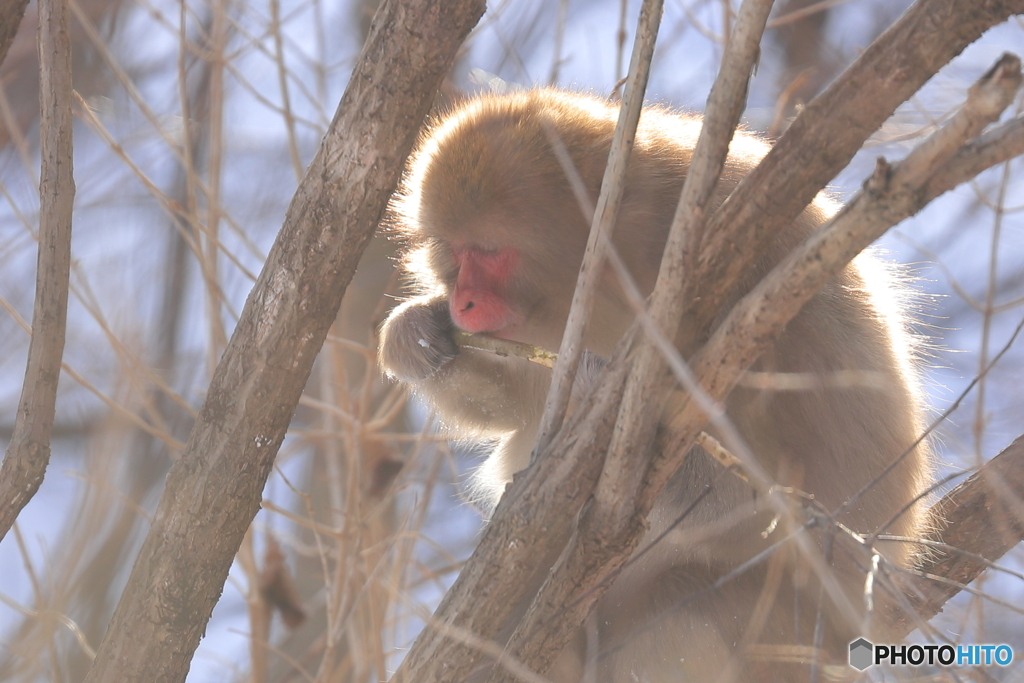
point(826, 135)
point(29, 451)
point(532, 522)
point(889, 196)
point(213, 490)
point(609, 530)
point(612, 187)
point(525, 530)
point(1000, 144)
point(638, 417)
point(977, 523)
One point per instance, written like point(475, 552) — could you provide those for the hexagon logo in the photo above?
point(860, 654)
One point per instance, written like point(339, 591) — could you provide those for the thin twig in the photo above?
point(282, 83)
point(612, 186)
point(29, 451)
point(645, 388)
point(507, 348)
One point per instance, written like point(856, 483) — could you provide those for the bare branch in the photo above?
point(984, 518)
point(612, 186)
point(890, 195)
point(639, 414)
point(609, 529)
point(29, 451)
point(213, 490)
point(505, 348)
point(825, 136)
point(1000, 144)
point(528, 529)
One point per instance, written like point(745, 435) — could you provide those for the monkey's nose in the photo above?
point(478, 311)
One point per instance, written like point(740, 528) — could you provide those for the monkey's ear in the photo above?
point(490, 83)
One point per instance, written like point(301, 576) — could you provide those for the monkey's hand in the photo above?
point(416, 340)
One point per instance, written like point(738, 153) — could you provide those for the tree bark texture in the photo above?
point(829, 131)
point(978, 522)
point(213, 491)
point(29, 451)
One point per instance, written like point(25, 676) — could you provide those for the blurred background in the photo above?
point(194, 124)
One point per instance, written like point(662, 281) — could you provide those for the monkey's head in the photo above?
point(493, 223)
point(490, 216)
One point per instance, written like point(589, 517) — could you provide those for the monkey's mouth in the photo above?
point(483, 313)
point(508, 333)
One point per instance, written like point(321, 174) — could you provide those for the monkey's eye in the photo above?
point(480, 254)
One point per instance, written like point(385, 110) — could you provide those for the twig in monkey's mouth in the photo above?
point(505, 348)
point(535, 354)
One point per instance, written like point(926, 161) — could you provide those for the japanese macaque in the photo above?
point(496, 237)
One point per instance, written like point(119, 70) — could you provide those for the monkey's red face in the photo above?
point(480, 295)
